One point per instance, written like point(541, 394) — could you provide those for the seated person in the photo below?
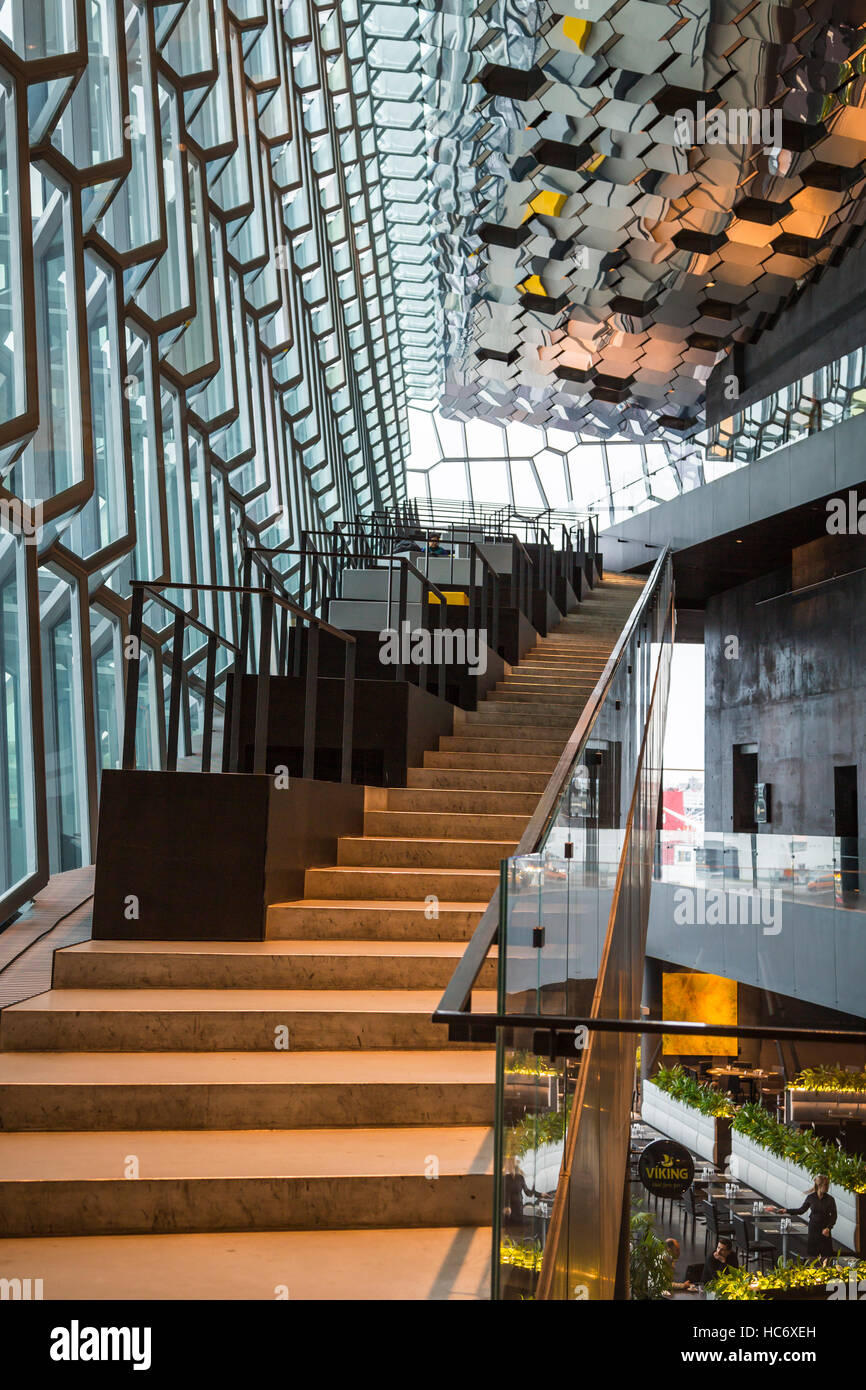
point(722, 1257)
point(434, 544)
point(672, 1246)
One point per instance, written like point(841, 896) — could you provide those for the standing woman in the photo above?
point(822, 1218)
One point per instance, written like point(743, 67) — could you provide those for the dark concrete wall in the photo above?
point(797, 689)
point(204, 855)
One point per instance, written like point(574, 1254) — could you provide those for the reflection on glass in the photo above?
point(108, 689)
point(53, 461)
point(65, 758)
point(35, 31)
point(570, 945)
point(12, 393)
point(17, 788)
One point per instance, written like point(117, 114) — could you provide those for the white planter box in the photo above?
point(541, 1166)
point(682, 1122)
point(785, 1185)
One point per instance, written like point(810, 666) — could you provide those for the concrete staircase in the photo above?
point(282, 1118)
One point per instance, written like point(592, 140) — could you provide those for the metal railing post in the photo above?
point(231, 745)
point(263, 683)
point(401, 618)
point(207, 716)
point(175, 694)
point(310, 695)
point(441, 622)
point(133, 676)
point(348, 712)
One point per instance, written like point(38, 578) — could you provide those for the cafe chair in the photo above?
point(716, 1226)
point(759, 1250)
point(690, 1212)
point(773, 1099)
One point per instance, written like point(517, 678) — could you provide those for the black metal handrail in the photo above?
point(454, 1007)
point(181, 674)
point(521, 564)
point(484, 598)
point(271, 603)
point(428, 587)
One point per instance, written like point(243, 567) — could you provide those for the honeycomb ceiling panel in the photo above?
point(621, 193)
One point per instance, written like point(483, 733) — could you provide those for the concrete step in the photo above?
point(590, 642)
point(467, 779)
point(369, 852)
point(78, 1184)
point(448, 885)
point(328, 919)
point(233, 1020)
point(441, 800)
point(536, 719)
point(552, 676)
point(512, 724)
point(475, 758)
point(446, 824)
point(271, 964)
point(532, 699)
point(243, 1090)
point(535, 716)
point(549, 666)
point(567, 688)
point(496, 744)
point(566, 685)
point(424, 1264)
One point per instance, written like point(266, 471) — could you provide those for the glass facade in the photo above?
point(198, 348)
point(259, 257)
point(542, 469)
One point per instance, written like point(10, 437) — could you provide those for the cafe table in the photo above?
point(770, 1224)
point(749, 1075)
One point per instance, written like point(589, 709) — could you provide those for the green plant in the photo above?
point(676, 1082)
point(537, 1128)
point(651, 1272)
point(520, 1256)
point(804, 1147)
point(746, 1284)
point(523, 1063)
point(828, 1079)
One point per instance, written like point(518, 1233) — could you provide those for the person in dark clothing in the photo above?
point(672, 1246)
point(721, 1258)
point(514, 1190)
point(435, 546)
point(822, 1218)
